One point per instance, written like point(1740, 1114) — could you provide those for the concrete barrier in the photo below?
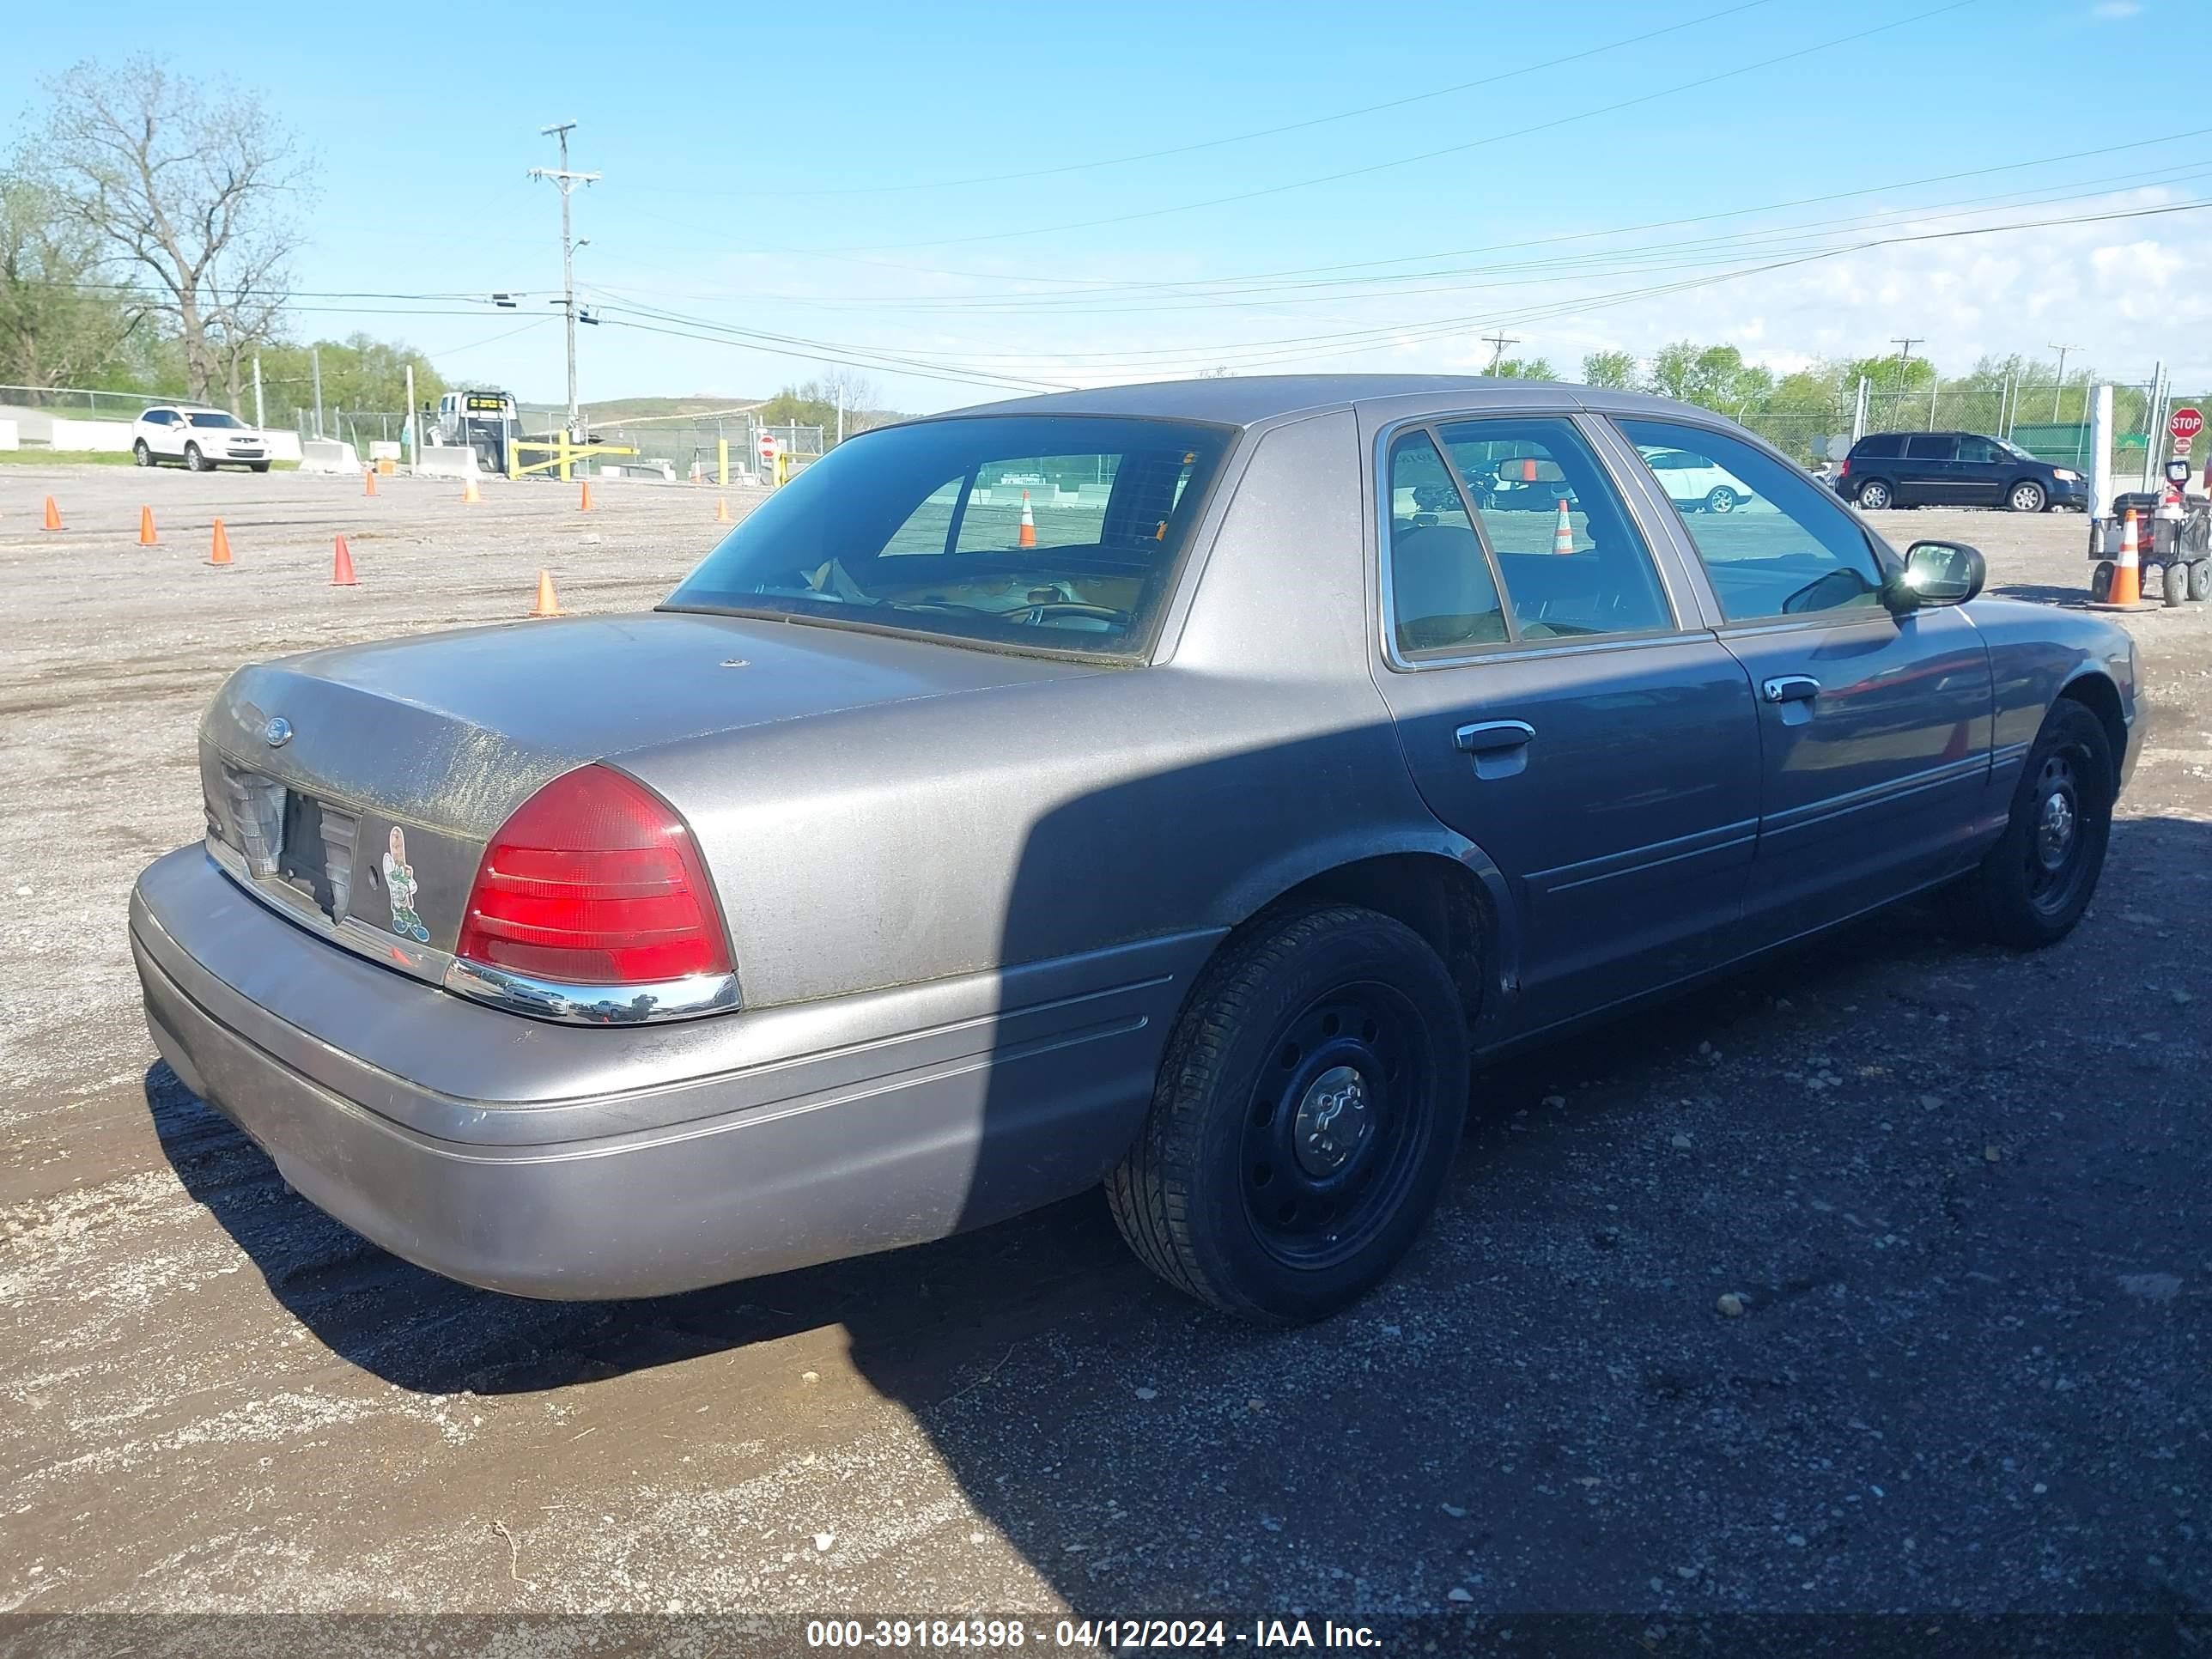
point(326, 455)
point(8, 437)
point(447, 461)
point(282, 446)
point(111, 437)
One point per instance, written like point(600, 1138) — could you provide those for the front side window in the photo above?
point(1983, 451)
point(925, 528)
point(1792, 552)
point(1582, 571)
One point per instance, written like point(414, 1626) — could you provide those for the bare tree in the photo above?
point(194, 187)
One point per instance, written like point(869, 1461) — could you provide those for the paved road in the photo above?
point(1962, 1194)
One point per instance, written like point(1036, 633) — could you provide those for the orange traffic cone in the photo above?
point(220, 553)
point(54, 515)
point(547, 606)
point(722, 510)
point(584, 500)
point(342, 566)
point(146, 537)
point(2127, 574)
point(1563, 533)
point(1028, 538)
point(469, 495)
point(368, 481)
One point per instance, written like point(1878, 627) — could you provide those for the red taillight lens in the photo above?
point(1843, 467)
point(594, 881)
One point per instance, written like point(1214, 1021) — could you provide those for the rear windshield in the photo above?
point(1049, 532)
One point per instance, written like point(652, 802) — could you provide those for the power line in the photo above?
point(1404, 160)
point(1239, 137)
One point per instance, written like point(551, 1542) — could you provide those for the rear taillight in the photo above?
point(594, 881)
point(1843, 467)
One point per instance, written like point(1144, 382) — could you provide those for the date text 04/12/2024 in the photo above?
point(1110, 1635)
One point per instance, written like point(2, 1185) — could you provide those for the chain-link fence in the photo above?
point(83, 403)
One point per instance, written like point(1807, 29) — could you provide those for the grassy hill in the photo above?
point(633, 409)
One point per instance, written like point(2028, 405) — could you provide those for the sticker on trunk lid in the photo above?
point(399, 888)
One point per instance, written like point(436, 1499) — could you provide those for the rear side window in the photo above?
point(1443, 596)
point(1792, 552)
point(1881, 446)
point(1930, 447)
point(1569, 574)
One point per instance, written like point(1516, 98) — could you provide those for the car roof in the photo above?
point(1250, 400)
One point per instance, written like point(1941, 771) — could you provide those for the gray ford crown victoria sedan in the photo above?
point(1177, 786)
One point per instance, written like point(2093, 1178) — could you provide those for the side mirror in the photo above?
point(1935, 573)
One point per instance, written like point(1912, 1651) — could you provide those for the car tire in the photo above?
point(258, 466)
point(1236, 1192)
point(2027, 496)
point(2175, 587)
point(140, 455)
point(2101, 582)
point(2033, 886)
point(2200, 580)
point(194, 461)
point(1873, 494)
point(1720, 498)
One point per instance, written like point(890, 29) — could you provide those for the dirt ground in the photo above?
point(1963, 1192)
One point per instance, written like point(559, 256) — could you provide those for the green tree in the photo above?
point(1525, 368)
point(1711, 376)
point(58, 324)
point(1612, 371)
point(358, 373)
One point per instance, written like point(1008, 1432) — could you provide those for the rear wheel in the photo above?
point(2101, 582)
point(2027, 496)
point(1304, 1118)
point(2200, 580)
point(2033, 885)
point(2176, 585)
point(1873, 494)
point(194, 461)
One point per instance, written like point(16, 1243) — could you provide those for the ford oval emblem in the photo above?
point(277, 732)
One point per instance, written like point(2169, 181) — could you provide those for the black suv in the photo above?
point(1953, 469)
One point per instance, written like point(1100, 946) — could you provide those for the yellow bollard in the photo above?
point(722, 462)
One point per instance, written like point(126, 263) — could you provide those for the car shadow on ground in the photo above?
point(1533, 1377)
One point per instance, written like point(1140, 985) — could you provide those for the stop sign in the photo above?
point(2184, 423)
point(768, 446)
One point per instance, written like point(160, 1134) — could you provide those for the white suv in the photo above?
point(203, 439)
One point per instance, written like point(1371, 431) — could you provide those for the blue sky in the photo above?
point(840, 176)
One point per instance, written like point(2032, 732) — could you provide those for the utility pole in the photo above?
point(315, 360)
point(1498, 342)
point(2061, 392)
point(1904, 353)
point(260, 421)
point(565, 182)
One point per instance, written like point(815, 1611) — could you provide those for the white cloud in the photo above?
point(2112, 11)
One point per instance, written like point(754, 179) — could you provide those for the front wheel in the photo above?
point(1720, 498)
point(258, 466)
point(2033, 885)
point(194, 461)
point(1873, 495)
point(140, 455)
point(2175, 588)
point(1304, 1118)
point(2027, 496)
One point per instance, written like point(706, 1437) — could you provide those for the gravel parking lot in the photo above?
point(1962, 1194)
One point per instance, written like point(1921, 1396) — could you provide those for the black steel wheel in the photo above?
point(1304, 1119)
point(2033, 885)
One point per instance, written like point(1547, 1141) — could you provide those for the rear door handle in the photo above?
point(1492, 737)
point(1791, 687)
point(1499, 749)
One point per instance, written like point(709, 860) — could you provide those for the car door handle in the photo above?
point(1791, 687)
point(1493, 737)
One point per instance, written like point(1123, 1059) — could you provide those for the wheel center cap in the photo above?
point(1332, 1120)
point(2055, 832)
